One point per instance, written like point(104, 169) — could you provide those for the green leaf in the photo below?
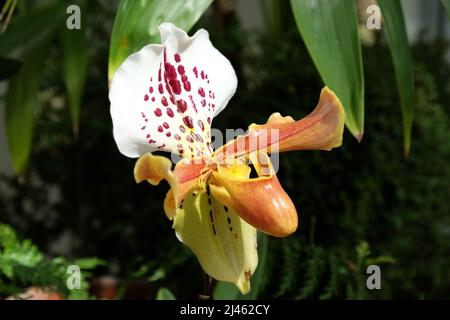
point(73, 46)
point(446, 4)
point(136, 24)
point(329, 30)
point(165, 294)
point(8, 236)
point(21, 101)
point(395, 30)
point(9, 67)
point(225, 291)
point(15, 252)
point(33, 28)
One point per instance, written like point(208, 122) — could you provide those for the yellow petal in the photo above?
point(261, 201)
point(188, 175)
point(224, 244)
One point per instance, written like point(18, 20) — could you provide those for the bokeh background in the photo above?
point(361, 204)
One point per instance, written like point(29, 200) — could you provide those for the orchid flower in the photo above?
point(164, 98)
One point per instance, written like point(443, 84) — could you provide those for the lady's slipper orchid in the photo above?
point(163, 98)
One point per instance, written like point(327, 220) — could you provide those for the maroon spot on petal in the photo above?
point(209, 120)
point(189, 139)
point(151, 141)
point(187, 86)
point(146, 120)
point(159, 73)
point(182, 129)
point(148, 135)
point(195, 72)
point(201, 125)
point(153, 99)
point(177, 57)
point(160, 129)
point(188, 121)
point(164, 101)
point(177, 136)
point(151, 79)
point(150, 89)
point(203, 102)
point(143, 128)
point(166, 125)
point(158, 112)
point(170, 76)
point(181, 106)
point(201, 92)
point(161, 88)
point(202, 74)
point(181, 69)
point(169, 112)
point(168, 134)
point(146, 97)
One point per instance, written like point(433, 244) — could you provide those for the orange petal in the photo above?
point(261, 201)
point(188, 175)
point(322, 129)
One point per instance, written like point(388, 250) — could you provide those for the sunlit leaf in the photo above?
point(329, 30)
point(73, 45)
point(395, 30)
point(136, 24)
point(21, 103)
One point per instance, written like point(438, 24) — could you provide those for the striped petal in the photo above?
point(224, 244)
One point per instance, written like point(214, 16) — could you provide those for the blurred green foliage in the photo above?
point(358, 205)
point(23, 265)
